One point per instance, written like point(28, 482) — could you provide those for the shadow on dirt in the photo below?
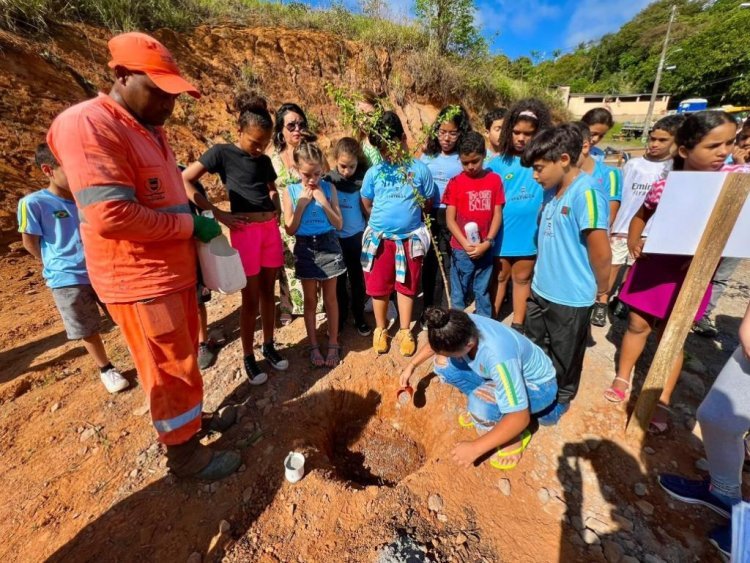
point(630, 524)
point(168, 520)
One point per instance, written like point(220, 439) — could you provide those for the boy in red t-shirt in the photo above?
point(474, 196)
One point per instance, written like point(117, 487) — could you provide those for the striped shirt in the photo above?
point(512, 361)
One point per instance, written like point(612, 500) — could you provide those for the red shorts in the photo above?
point(380, 281)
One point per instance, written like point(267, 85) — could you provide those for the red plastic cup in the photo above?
point(404, 395)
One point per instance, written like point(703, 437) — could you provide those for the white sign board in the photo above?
point(683, 212)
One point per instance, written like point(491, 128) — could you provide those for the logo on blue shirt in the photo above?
point(61, 214)
point(522, 195)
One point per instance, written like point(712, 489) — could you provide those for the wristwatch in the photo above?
point(490, 240)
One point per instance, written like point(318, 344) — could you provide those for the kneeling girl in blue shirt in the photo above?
point(505, 376)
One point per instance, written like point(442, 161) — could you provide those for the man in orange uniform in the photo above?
point(137, 233)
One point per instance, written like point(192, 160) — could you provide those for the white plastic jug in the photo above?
point(221, 265)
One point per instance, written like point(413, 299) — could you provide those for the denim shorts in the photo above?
point(318, 257)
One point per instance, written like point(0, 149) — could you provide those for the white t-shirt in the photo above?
point(638, 175)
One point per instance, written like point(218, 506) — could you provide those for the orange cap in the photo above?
point(142, 53)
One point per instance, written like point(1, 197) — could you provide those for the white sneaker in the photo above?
point(114, 381)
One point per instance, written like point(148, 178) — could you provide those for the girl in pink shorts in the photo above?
point(704, 141)
point(249, 176)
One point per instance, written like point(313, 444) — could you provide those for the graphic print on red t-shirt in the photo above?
point(475, 200)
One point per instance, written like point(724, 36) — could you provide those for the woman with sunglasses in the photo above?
point(290, 129)
point(441, 157)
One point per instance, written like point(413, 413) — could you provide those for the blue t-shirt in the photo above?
point(351, 211)
point(347, 190)
point(314, 219)
point(391, 187)
point(523, 199)
point(443, 167)
point(511, 360)
point(597, 154)
point(55, 220)
point(563, 272)
point(608, 180)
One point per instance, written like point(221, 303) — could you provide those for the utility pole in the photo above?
point(660, 68)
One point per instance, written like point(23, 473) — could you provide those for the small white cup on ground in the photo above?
point(294, 467)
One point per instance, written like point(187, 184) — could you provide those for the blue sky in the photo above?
point(517, 27)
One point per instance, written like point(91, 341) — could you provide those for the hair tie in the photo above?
point(527, 113)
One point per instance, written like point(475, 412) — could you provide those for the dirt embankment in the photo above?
point(43, 76)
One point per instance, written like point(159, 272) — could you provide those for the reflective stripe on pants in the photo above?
point(162, 335)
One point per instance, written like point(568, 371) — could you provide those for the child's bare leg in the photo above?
point(613, 273)
point(632, 347)
point(521, 273)
point(95, 347)
point(248, 314)
point(328, 288)
point(662, 415)
point(380, 310)
point(267, 304)
point(405, 309)
point(500, 275)
point(310, 294)
point(332, 309)
point(203, 323)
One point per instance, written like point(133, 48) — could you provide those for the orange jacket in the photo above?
point(136, 224)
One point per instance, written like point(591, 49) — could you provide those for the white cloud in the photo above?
point(593, 18)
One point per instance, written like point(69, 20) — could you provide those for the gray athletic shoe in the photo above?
point(207, 354)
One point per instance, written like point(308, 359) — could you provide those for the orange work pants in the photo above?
point(162, 335)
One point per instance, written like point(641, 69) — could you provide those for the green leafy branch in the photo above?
point(367, 124)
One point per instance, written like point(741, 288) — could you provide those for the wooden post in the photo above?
point(728, 206)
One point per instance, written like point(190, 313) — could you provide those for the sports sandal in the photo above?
point(316, 358)
point(657, 428)
point(499, 459)
point(333, 357)
point(466, 420)
point(614, 395)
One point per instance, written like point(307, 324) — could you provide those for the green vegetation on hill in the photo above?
point(458, 69)
point(709, 49)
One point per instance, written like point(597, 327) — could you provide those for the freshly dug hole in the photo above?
point(373, 452)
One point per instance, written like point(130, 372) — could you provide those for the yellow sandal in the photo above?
point(466, 420)
point(498, 460)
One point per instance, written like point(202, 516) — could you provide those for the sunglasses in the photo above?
point(296, 125)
